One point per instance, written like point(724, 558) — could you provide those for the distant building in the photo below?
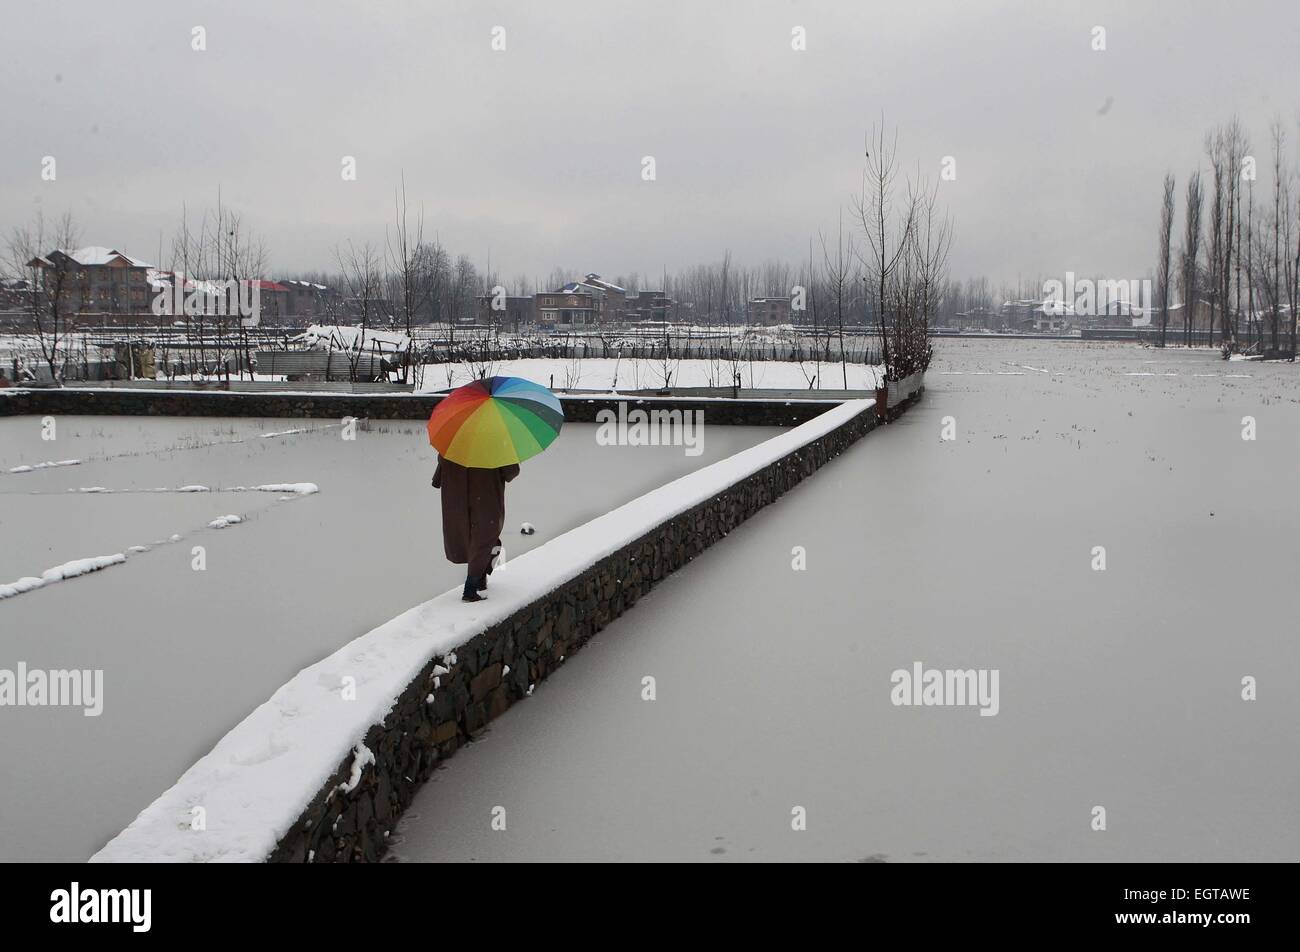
point(649, 306)
point(591, 300)
point(15, 295)
point(213, 297)
point(307, 300)
point(98, 279)
point(978, 319)
point(608, 301)
point(518, 311)
point(273, 298)
point(566, 308)
point(1048, 316)
point(612, 298)
point(1120, 313)
point(768, 310)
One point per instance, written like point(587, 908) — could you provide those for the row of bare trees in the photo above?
point(886, 270)
point(220, 247)
point(1244, 275)
point(908, 242)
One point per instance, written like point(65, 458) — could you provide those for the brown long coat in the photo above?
point(473, 512)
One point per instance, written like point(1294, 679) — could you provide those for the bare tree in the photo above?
point(221, 249)
point(931, 244)
point(1190, 253)
point(1293, 284)
point(1215, 148)
point(1252, 323)
point(56, 285)
point(409, 260)
point(363, 278)
point(1236, 145)
point(1279, 140)
point(242, 259)
point(841, 276)
point(887, 240)
point(1162, 265)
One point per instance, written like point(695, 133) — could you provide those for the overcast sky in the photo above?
point(533, 155)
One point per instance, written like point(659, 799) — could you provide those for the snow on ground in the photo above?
point(346, 337)
point(78, 567)
point(298, 489)
point(610, 373)
point(263, 773)
point(101, 438)
point(47, 465)
point(60, 572)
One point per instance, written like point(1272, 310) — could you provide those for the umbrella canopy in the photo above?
point(495, 422)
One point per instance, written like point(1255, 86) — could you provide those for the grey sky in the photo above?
point(533, 154)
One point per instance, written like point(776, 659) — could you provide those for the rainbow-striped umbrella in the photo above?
point(495, 422)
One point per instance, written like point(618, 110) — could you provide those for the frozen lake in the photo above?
point(1120, 688)
point(186, 654)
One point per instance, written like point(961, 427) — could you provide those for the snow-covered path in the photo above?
point(1119, 688)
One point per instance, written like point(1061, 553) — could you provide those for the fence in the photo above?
point(827, 351)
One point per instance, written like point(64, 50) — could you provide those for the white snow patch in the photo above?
point(300, 489)
point(347, 337)
point(301, 429)
point(46, 465)
point(225, 521)
point(59, 573)
point(361, 757)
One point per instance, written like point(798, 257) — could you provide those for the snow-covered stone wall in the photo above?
point(322, 771)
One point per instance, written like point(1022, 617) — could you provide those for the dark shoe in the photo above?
point(472, 597)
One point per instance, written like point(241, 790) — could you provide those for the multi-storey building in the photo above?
point(95, 279)
point(768, 310)
point(566, 308)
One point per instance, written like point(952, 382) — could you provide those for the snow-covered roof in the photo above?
point(576, 287)
point(93, 255)
point(595, 279)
